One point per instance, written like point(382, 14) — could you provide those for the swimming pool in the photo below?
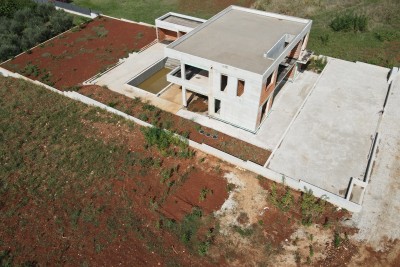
point(153, 79)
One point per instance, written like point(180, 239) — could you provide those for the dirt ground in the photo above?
point(178, 124)
point(82, 52)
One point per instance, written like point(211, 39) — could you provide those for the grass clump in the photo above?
point(204, 192)
point(282, 201)
point(317, 64)
point(349, 22)
point(311, 207)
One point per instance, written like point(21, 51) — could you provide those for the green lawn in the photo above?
point(149, 10)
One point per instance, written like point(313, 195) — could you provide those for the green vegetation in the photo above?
point(349, 22)
point(9, 7)
point(244, 232)
point(311, 207)
point(354, 30)
point(188, 231)
point(337, 239)
point(163, 140)
point(149, 10)
point(24, 25)
point(204, 192)
point(318, 64)
point(282, 201)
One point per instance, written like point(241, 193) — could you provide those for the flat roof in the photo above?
point(330, 139)
point(183, 21)
point(239, 37)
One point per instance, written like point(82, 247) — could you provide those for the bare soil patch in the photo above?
point(82, 52)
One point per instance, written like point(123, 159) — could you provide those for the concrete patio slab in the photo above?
point(330, 140)
point(174, 94)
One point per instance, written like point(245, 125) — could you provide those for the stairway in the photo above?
point(172, 63)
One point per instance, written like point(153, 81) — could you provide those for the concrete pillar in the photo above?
point(269, 105)
point(183, 71)
point(184, 102)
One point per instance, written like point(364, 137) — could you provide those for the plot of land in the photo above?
point(81, 53)
point(89, 189)
point(80, 186)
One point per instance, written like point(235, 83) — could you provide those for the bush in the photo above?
point(349, 21)
point(386, 35)
point(283, 202)
point(311, 207)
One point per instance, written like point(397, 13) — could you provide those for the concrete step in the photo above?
point(172, 63)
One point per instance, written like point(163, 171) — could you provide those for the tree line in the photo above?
point(24, 24)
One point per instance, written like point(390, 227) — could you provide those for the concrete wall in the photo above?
point(237, 110)
point(144, 75)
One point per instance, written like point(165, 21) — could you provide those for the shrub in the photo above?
point(283, 202)
point(337, 240)
point(349, 21)
point(311, 207)
point(163, 140)
point(317, 64)
point(386, 35)
point(166, 174)
point(203, 248)
point(204, 192)
point(244, 232)
point(100, 31)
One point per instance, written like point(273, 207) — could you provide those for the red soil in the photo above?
point(78, 55)
point(223, 142)
point(187, 196)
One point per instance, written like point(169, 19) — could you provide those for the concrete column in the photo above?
point(183, 71)
point(269, 105)
point(184, 102)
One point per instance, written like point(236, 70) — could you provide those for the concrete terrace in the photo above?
point(330, 140)
point(244, 47)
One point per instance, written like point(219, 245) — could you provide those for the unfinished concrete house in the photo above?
point(238, 61)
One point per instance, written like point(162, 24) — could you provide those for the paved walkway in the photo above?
point(380, 216)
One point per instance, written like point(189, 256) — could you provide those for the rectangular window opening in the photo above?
point(217, 106)
point(240, 88)
point(269, 80)
point(224, 82)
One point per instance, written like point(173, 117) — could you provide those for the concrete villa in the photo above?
point(238, 60)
